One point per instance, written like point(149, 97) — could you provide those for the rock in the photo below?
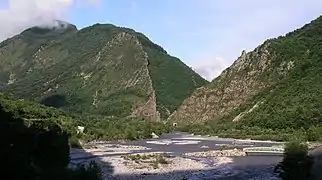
point(204, 147)
point(216, 153)
point(145, 174)
point(154, 136)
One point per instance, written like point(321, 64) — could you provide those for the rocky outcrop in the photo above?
point(149, 108)
point(247, 76)
point(98, 70)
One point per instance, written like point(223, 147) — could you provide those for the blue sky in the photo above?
point(206, 34)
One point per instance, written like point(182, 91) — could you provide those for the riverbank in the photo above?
point(125, 166)
point(122, 167)
point(218, 153)
point(177, 155)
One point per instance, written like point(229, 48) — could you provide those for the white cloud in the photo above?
point(209, 68)
point(22, 14)
point(233, 26)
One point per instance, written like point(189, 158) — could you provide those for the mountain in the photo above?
point(102, 69)
point(276, 86)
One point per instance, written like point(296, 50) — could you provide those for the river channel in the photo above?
point(256, 166)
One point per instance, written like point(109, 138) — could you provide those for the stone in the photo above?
point(154, 136)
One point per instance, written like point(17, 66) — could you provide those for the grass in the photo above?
point(228, 147)
point(153, 159)
point(74, 143)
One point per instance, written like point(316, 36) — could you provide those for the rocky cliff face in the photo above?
point(231, 88)
point(101, 69)
point(247, 85)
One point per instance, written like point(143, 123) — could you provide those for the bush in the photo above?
point(74, 143)
point(296, 164)
point(90, 172)
point(37, 149)
point(112, 128)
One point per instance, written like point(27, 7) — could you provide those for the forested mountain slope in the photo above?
point(276, 86)
point(101, 69)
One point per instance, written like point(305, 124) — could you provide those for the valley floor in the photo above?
point(179, 156)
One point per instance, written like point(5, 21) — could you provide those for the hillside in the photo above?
point(34, 142)
point(101, 69)
point(276, 86)
point(31, 112)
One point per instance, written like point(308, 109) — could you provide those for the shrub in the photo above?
point(74, 142)
point(296, 164)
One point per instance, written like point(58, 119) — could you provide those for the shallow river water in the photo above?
point(247, 167)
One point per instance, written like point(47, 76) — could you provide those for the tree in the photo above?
point(29, 152)
point(297, 163)
point(39, 151)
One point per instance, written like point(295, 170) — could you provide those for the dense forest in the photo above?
point(36, 148)
point(96, 127)
point(101, 70)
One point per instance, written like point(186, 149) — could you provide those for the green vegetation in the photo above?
point(90, 172)
point(228, 147)
point(288, 105)
point(135, 157)
point(74, 142)
point(296, 164)
point(36, 139)
point(106, 76)
point(37, 149)
point(172, 80)
point(107, 128)
point(159, 160)
point(238, 130)
point(271, 149)
point(31, 113)
point(153, 159)
point(99, 70)
point(96, 127)
point(293, 102)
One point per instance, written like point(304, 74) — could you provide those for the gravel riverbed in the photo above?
point(190, 159)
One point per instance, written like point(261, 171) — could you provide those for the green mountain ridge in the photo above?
point(102, 69)
point(276, 86)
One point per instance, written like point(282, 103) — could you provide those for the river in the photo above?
point(246, 167)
